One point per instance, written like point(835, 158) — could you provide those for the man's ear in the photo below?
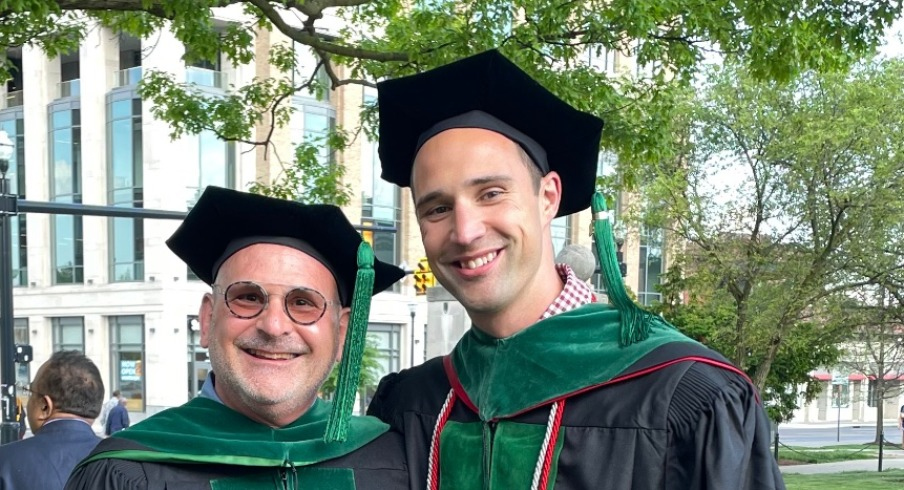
point(344, 316)
point(205, 318)
point(550, 196)
point(45, 407)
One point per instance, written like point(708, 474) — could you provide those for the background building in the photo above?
point(109, 286)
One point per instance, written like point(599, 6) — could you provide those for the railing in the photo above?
point(205, 78)
point(128, 77)
point(14, 99)
point(71, 88)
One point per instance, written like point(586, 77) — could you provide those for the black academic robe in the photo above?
point(662, 424)
point(378, 465)
point(204, 445)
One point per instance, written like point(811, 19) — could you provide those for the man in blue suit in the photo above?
point(66, 396)
point(117, 419)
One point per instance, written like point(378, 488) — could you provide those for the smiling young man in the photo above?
point(288, 284)
point(548, 390)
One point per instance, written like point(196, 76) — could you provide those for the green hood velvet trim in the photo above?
point(206, 431)
point(552, 358)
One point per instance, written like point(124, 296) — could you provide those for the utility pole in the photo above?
point(9, 428)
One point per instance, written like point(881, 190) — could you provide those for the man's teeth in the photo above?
point(272, 355)
point(479, 261)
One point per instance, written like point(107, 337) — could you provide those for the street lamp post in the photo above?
point(9, 428)
point(412, 308)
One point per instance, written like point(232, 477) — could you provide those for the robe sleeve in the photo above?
point(383, 403)
point(108, 474)
point(720, 434)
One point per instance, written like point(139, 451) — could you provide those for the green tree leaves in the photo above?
point(785, 196)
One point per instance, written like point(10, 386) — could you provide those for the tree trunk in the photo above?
point(740, 357)
point(880, 406)
point(762, 370)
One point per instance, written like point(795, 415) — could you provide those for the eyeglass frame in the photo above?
point(25, 389)
point(326, 302)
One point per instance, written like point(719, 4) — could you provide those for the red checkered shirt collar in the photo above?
point(575, 293)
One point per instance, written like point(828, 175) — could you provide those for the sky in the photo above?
point(723, 183)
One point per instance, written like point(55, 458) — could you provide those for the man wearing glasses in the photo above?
point(285, 294)
point(63, 401)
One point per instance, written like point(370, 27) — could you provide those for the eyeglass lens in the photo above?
point(246, 299)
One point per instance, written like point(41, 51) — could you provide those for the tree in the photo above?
point(371, 370)
point(359, 41)
point(702, 308)
point(786, 197)
point(877, 351)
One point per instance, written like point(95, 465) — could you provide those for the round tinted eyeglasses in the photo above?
point(246, 300)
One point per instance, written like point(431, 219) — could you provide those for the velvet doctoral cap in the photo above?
point(223, 218)
point(224, 221)
point(416, 108)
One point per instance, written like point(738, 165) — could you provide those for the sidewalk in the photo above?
point(843, 466)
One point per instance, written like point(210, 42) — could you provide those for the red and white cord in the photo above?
point(544, 460)
point(433, 462)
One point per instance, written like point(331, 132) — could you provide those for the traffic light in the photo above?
point(423, 277)
point(367, 235)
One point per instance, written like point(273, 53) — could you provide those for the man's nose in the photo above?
point(274, 321)
point(468, 223)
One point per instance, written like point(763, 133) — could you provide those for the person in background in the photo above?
point(117, 419)
point(901, 425)
point(108, 405)
point(21, 415)
point(65, 398)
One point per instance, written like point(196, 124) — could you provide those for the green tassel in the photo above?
point(635, 321)
point(355, 339)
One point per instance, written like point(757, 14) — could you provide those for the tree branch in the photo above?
point(318, 43)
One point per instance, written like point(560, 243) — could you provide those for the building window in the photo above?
point(311, 124)
point(650, 266)
point(127, 359)
point(305, 61)
point(216, 166)
point(387, 337)
point(20, 336)
point(125, 186)
point(68, 333)
point(871, 393)
point(601, 58)
point(15, 129)
point(318, 123)
point(206, 73)
point(66, 187)
point(561, 233)
point(198, 358)
point(841, 395)
point(380, 205)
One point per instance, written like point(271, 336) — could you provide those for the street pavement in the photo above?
point(820, 435)
point(891, 462)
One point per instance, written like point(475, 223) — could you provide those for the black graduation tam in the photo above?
point(224, 220)
point(416, 106)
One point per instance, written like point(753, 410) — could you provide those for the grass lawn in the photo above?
point(860, 480)
point(810, 456)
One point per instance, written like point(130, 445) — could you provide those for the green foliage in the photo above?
point(370, 371)
point(776, 191)
point(308, 179)
point(553, 40)
point(709, 315)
